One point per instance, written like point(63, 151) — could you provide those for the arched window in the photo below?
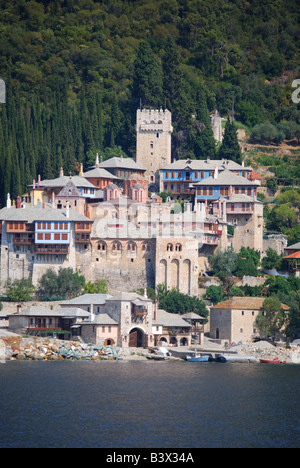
point(116, 246)
point(131, 246)
point(170, 248)
point(146, 247)
point(102, 246)
point(178, 247)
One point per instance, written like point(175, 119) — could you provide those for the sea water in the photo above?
point(144, 404)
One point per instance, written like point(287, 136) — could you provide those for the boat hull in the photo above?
point(197, 358)
point(272, 361)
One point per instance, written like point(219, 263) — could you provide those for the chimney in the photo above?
point(8, 202)
point(19, 308)
point(33, 184)
point(61, 172)
point(18, 205)
point(145, 293)
point(155, 310)
point(92, 315)
point(39, 180)
point(53, 200)
point(81, 170)
point(97, 161)
point(216, 172)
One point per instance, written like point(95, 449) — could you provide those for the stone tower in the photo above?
point(216, 123)
point(153, 142)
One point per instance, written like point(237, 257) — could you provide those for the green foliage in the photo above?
point(267, 132)
point(164, 195)
point(292, 299)
point(214, 294)
point(20, 290)
point(285, 215)
point(64, 283)
point(204, 142)
point(272, 185)
point(236, 291)
point(247, 262)
point(151, 294)
point(147, 77)
point(227, 263)
point(100, 287)
point(75, 73)
point(223, 264)
point(230, 148)
point(273, 318)
point(271, 260)
point(176, 302)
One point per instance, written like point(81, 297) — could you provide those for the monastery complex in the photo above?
point(108, 222)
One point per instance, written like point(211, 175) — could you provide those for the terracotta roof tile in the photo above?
point(254, 303)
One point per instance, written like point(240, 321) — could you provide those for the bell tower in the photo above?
point(153, 142)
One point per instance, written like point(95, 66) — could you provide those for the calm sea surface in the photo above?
point(148, 404)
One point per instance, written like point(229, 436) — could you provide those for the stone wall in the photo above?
point(153, 147)
point(125, 265)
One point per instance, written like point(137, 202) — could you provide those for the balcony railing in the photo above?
point(140, 310)
point(23, 238)
point(52, 249)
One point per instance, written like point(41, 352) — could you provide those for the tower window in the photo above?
point(157, 135)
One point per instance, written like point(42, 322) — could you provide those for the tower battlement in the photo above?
point(153, 147)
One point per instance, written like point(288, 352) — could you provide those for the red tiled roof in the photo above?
point(255, 176)
point(293, 255)
point(254, 303)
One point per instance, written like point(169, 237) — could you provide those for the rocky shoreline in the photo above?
point(266, 350)
point(18, 348)
point(47, 349)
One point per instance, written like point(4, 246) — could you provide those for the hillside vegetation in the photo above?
point(76, 71)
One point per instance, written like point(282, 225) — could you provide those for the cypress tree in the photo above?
point(115, 121)
point(204, 145)
point(100, 136)
point(175, 91)
point(230, 148)
point(147, 77)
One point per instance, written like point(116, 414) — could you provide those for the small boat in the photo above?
point(272, 361)
point(156, 357)
point(235, 358)
point(198, 357)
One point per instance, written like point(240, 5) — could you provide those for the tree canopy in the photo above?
point(75, 73)
point(176, 302)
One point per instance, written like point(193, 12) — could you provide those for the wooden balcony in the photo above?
point(83, 227)
point(176, 332)
point(52, 249)
point(211, 240)
point(82, 237)
point(139, 310)
point(239, 209)
point(23, 239)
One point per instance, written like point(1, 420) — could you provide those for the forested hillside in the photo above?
point(76, 71)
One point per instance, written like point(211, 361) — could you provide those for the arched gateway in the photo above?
point(137, 338)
